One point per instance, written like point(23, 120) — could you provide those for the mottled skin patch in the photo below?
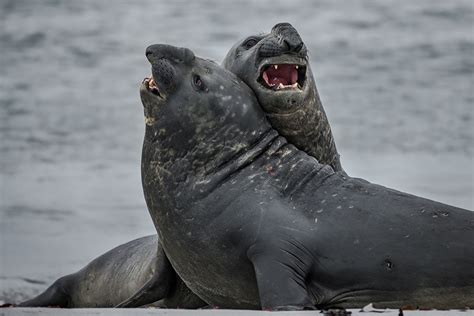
point(243, 234)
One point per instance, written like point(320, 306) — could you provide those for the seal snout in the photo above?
point(166, 65)
point(172, 53)
point(290, 38)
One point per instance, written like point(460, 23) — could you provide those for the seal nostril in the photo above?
point(293, 45)
point(287, 45)
point(298, 47)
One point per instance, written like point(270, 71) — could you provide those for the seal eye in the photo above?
point(198, 83)
point(251, 42)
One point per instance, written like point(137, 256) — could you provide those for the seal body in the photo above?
point(249, 221)
point(275, 66)
point(125, 269)
point(135, 273)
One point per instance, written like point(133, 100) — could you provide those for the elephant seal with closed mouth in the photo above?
point(115, 276)
point(307, 123)
point(249, 221)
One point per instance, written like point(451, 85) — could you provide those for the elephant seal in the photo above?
point(286, 47)
point(133, 263)
point(115, 276)
point(249, 221)
point(275, 66)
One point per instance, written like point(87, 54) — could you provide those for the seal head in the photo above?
point(277, 68)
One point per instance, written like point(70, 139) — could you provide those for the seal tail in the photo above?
point(54, 296)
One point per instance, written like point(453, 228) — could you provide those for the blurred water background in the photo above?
point(396, 80)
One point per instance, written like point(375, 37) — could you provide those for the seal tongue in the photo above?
point(285, 74)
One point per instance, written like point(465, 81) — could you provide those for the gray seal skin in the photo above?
point(249, 221)
point(124, 269)
point(116, 276)
point(275, 66)
point(306, 124)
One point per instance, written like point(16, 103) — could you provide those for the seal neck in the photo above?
point(219, 171)
point(308, 129)
point(206, 161)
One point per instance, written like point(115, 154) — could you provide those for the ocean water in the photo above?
point(396, 80)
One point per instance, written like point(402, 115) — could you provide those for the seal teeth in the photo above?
point(281, 76)
point(288, 86)
point(153, 87)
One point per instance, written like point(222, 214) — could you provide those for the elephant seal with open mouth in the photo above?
point(249, 221)
point(69, 291)
point(276, 67)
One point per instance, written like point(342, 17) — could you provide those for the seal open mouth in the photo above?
point(151, 86)
point(283, 76)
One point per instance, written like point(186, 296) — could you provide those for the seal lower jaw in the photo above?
point(282, 102)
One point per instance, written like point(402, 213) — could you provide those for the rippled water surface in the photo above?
point(396, 81)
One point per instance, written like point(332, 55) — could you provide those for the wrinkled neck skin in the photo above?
point(178, 184)
point(308, 127)
point(299, 117)
point(207, 162)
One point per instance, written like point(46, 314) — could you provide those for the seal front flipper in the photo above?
point(281, 274)
point(157, 287)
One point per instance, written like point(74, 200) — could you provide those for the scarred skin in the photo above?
point(69, 291)
point(249, 221)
